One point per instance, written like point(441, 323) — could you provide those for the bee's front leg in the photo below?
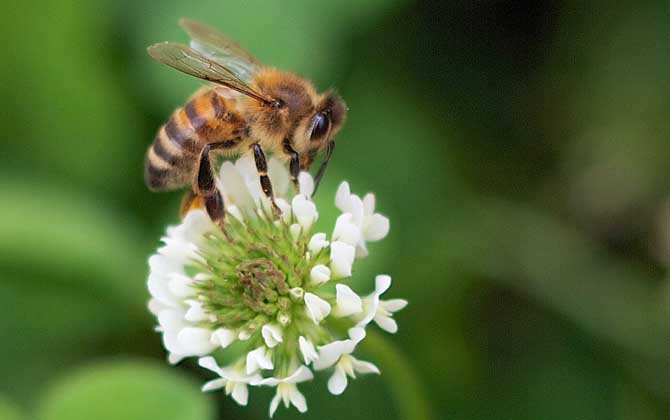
point(294, 166)
point(266, 185)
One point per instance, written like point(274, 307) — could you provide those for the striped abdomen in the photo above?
point(174, 153)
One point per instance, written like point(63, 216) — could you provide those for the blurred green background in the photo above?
point(520, 149)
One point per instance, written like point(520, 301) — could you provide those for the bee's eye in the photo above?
point(320, 125)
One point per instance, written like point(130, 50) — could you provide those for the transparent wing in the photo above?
point(218, 47)
point(196, 64)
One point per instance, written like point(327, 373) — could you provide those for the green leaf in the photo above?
point(125, 390)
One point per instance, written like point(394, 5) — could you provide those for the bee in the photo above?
point(246, 109)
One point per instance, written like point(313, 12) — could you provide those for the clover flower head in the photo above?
point(269, 298)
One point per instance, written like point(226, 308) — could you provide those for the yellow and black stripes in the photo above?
point(172, 156)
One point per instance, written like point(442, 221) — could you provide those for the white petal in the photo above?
point(382, 283)
point(317, 308)
point(341, 259)
point(356, 334)
point(174, 358)
point(237, 374)
point(179, 251)
point(234, 188)
point(279, 177)
point(370, 306)
point(330, 353)
point(319, 274)
point(369, 203)
point(258, 359)
point(246, 167)
point(155, 306)
point(180, 285)
point(297, 293)
point(394, 305)
point(195, 312)
point(301, 374)
point(272, 335)
point(240, 393)
point(209, 363)
point(317, 242)
point(223, 337)
point(356, 210)
point(192, 229)
point(274, 403)
point(306, 183)
point(345, 230)
point(343, 197)
point(295, 230)
point(234, 211)
point(348, 302)
point(285, 208)
point(158, 287)
point(307, 349)
point(337, 382)
point(304, 211)
point(361, 366)
point(361, 249)
point(171, 319)
point(159, 264)
point(214, 384)
point(196, 341)
point(297, 399)
point(387, 323)
point(376, 227)
point(201, 277)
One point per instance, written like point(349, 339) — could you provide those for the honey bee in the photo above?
point(248, 109)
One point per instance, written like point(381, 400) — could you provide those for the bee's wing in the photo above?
point(196, 64)
point(218, 47)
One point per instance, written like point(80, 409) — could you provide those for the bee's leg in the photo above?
point(206, 187)
point(294, 166)
point(262, 168)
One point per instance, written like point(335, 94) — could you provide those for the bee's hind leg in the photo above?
point(266, 185)
point(206, 187)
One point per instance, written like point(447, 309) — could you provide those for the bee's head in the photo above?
point(296, 112)
point(323, 125)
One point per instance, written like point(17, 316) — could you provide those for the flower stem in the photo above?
point(405, 386)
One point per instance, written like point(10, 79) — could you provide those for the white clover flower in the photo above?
point(338, 353)
point(287, 391)
point(381, 311)
point(257, 359)
point(307, 350)
point(270, 287)
point(272, 335)
point(233, 380)
point(359, 223)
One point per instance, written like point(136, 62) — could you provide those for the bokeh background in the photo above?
point(520, 149)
